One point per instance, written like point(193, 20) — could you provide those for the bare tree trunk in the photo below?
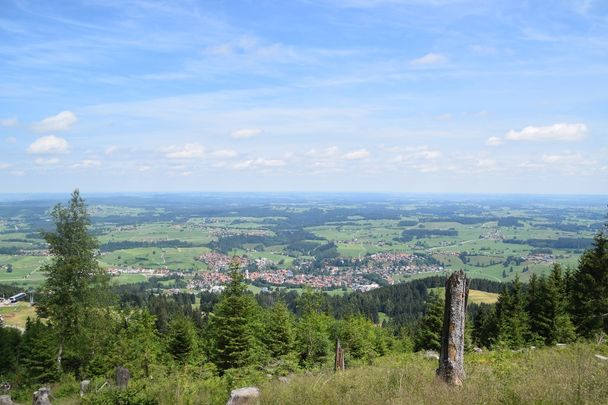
point(339, 356)
point(451, 359)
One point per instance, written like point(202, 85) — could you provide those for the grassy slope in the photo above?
point(546, 376)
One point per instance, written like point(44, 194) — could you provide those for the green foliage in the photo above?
point(313, 339)
point(428, 332)
point(485, 326)
point(512, 318)
point(279, 334)
point(546, 306)
point(137, 345)
point(181, 341)
point(10, 339)
point(589, 290)
point(234, 325)
point(72, 276)
point(37, 353)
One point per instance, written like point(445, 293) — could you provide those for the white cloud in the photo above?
point(48, 145)
point(46, 162)
point(494, 141)
point(224, 153)
point(356, 154)
point(5, 165)
point(186, 174)
point(555, 132)
point(144, 168)
point(429, 59)
point(187, 151)
point(486, 164)
point(60, 122)
point(111, 149)
point(17, 173)
point(246, 133)
point(259, 163)
point(86, 164)
point(11, 139)
point(323, 153)
point(9, 122)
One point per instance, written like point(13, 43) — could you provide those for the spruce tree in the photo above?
point(428, 333)
point(589, 289)
point(182, 339)
point(10, 339)
point(279, 333)
point(37, 353)
point(234, 324)
point(512, 318)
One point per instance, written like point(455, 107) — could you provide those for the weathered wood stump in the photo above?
point(41, 397)
point(339, 357)
point(451, 358)
point(122, 377)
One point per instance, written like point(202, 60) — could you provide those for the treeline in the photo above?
point(160, 244)
point(409, 234)
point(559, 243)
point(290, 237)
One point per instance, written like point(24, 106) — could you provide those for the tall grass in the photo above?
point(545, 376)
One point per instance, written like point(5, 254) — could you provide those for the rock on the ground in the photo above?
point(284, 379)
point(41, 397)
point(478, 350)
point(431, 354)
point(6, 400)
point(600, 357)
point(244, 396)
point(84, 387)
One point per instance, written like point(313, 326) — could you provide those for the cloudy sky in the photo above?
point(303, 95)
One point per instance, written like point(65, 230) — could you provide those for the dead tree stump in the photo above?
point(451, 359)
point(122, 377)
point(339, 356)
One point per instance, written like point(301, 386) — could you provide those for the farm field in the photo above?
point(489, 237)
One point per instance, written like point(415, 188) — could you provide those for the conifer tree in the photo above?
point(485, 327)
point(512, 319)
point(589, 289)
point(182, 339)
point(428, 333)
point(279, 333)
point(10, 339)
point(37, 353)
point(234, 324)
point(73, 277)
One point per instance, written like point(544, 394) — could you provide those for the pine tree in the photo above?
point(73, 274)
point(279, 333)
point(512, 318)
point(37, 353)
point(234, 325)
point(10, 339)
point(181, 341)
point(589, 289)
point(485, 328)
point(428, 333)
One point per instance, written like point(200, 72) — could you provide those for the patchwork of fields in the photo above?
point(489, 238)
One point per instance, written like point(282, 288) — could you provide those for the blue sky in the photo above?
point(335, 95)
